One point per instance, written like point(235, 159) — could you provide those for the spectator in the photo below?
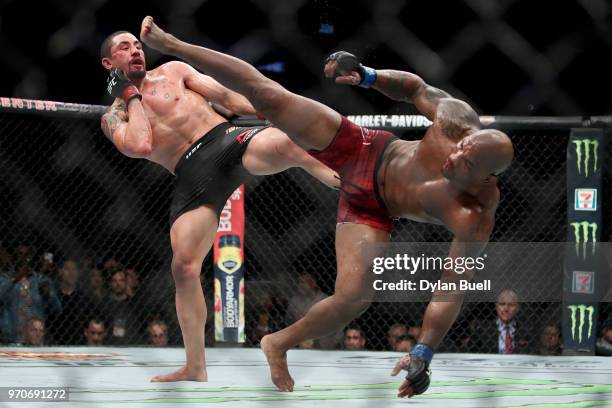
point(117, 310)
point(308, 294)
point(86, 263)
point(24, 251)
point(35, 332)
point(95, 332)
point(550, 341)
point(133, 282)
point(505, 334)
point(158, 333)
point(604, 343)
point(97, 290)
point(307, 344)
point(264, 318)
point(396, 331)
point(47, 265)
point(414, 331)
point(354, 338)
point(111, 265)
point(405, 343)
point(64, 328)
point(25, 294)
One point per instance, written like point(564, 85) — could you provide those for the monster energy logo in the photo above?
point(586, 144)
point(580, 318)
point(581, 235)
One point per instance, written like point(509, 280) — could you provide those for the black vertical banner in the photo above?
point(583, 267)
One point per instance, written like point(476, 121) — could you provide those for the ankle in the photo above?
point(195, 367)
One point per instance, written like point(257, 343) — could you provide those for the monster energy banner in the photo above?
point(583, 267)
point(229, 271)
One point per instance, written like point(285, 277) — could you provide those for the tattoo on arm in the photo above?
point(397, 85)
point(112, 119)
point(406, 87)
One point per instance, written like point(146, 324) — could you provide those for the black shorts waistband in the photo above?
point(207, 138)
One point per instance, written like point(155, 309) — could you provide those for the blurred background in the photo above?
point(87, 220)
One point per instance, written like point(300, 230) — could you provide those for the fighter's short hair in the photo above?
point(108, 42)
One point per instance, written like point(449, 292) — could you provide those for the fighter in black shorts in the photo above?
point(446, 178)
point(164, 116)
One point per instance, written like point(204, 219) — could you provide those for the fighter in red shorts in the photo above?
point(446, 178)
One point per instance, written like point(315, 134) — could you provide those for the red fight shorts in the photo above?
point(355, 153)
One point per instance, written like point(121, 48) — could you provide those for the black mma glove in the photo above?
point(347, 62)
point(419, 375)
point(120, 86)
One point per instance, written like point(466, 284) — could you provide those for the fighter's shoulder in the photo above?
point(471, 218)
point(175, 68)
point(490, 195)
point(455, 117)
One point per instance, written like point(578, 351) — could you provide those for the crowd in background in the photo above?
point(506, 331)
point(45, 301)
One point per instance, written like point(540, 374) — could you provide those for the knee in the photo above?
point(289, 152)
point(267, 95)
point(186, 268)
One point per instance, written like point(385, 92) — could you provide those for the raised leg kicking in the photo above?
point(446, 178)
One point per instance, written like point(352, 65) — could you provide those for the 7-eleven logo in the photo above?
point(585, 199)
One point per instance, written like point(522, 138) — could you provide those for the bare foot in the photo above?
point(277, 360)
point(182, 375)
point(153, 36)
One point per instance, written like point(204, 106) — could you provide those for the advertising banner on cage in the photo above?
point(229, 271)
point(586, 271)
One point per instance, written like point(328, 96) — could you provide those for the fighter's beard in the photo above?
point(137, 75)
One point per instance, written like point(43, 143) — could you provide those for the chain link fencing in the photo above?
point(92, 226)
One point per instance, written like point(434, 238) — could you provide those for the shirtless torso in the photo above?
point(413, 186)
point(177, 114)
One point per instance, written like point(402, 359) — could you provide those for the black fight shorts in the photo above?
point(211, 169)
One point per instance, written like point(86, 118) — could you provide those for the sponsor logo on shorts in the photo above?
point(587, 151)
point(366, 136)
point(581, 318)
point(193, 150)
point(583, 282)
point(246, 135)
point(585, 199)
